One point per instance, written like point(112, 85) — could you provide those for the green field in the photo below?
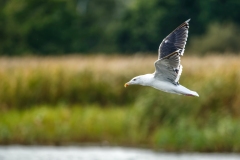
point(81, 99)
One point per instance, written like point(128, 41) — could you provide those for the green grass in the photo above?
point(64, 124)
point(222, 136)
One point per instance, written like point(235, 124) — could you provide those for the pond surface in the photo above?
point(100, 153)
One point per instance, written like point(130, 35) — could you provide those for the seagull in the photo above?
point(168, 68)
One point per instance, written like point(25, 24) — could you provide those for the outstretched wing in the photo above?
point(172, 47)
point(176, 40)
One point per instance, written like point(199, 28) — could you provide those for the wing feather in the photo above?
point(169, 68)
point(168, 65)
point(174, 41)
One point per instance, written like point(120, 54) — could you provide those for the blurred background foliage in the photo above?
point(81, 98)
point(113, 26)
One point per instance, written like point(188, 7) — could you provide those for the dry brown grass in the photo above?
point(116, 63)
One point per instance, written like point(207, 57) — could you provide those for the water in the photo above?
point(100, 153)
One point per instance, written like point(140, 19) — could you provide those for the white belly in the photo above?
point(171, 88)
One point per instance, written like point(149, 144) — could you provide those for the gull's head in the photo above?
point(134, 81)
point(143, 80)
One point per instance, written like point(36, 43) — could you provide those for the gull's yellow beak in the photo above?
point(126, 84)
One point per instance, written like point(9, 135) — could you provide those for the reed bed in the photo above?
point(26, 81)
point(75, 90)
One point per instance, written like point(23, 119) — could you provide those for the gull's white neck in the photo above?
point(147, 79)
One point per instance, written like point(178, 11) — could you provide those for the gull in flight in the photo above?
point(168, 68)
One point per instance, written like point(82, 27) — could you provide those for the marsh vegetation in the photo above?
point(81, 99)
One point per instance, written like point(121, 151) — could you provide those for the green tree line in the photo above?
point(126, 26)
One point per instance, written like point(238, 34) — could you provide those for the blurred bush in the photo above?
point(221, 38)
point(147, 23)
point(54, 26)
point(83, 26)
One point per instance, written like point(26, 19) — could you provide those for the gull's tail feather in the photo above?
point(193, 93)
point(187, 92)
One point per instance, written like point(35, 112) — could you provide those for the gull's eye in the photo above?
point(134, 79)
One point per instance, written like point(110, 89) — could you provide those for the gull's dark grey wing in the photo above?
point(176, 40)
point(168, 65)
